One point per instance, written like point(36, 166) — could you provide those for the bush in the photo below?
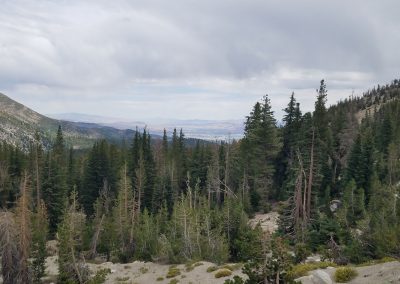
point(345, 274)
point(160, 279)
point(236, 280)
point(302, 269)
point(100, 276)
point(173, 272)
point(212, 269)
point(192, 265)
point(232, 267)
point(223, 272)
point(301, 252)
point(248, 244)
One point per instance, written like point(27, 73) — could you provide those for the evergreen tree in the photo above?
point(39, 238)
point(260, 147)
point(55, 181)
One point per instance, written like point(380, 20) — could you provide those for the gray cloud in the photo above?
point(191, 59)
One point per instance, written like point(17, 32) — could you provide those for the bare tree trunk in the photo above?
point(310, 177)
point(38, 194)
point(93, 250)
point(9, 252)
point(24, 220)
point(227, 161)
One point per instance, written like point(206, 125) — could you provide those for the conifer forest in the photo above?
point(331, 175)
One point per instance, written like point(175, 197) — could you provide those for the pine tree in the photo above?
point(72, 268)
point(260, 147)
point(39, 237)
point(54, 186)
point(284, 176)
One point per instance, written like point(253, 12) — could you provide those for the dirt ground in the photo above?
point(139, 272)
point(268, 221)
point(374, 274)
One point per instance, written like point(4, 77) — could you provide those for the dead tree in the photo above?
point(310, 177)
point(9, 247)
point(23, 215)
point(102, 209)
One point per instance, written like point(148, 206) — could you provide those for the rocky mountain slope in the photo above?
point(20, 126)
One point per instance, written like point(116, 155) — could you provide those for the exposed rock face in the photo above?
point(321, 277)
point(268, 222)
point(388, 272)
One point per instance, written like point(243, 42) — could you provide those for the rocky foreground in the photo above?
point(148, 272)
point(383, 273)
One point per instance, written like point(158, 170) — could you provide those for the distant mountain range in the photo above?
point(20, 124)
point(194, 128)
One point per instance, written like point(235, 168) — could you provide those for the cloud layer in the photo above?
point(191, 59)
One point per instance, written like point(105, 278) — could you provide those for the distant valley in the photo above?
point(195, 128)
point(21, 126)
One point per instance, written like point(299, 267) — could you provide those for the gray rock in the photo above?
point(305, 279)
point(321, 277)
point(318, 276)
point(313, 258)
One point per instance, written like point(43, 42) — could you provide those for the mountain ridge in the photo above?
point(20, 126)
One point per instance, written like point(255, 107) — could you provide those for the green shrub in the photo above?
point(160, 279)
point(302, 269)
point(301, 252)
point(100, 276)
point(192, 265)
point(223, 272)
point(174, 281)
point(212, 269)
point(173, 272)
point(236, 280)
point(345, 274)
point(232, 267)
point(377, 261)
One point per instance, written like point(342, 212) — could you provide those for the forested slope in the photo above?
point(333, 177)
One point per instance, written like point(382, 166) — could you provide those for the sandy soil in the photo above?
point(147, 272)
point(268, 221)
point(374, 274)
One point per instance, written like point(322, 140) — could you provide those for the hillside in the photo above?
point(19, 125)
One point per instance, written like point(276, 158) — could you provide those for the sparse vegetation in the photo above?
point(212, 269)
point(300, 270)
point(192, 265)
point(100, 277)
point(173, 272)
point(345, 274)
point(223, 272)
point(377, 261)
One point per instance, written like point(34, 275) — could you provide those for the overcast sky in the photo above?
point(204, 59)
